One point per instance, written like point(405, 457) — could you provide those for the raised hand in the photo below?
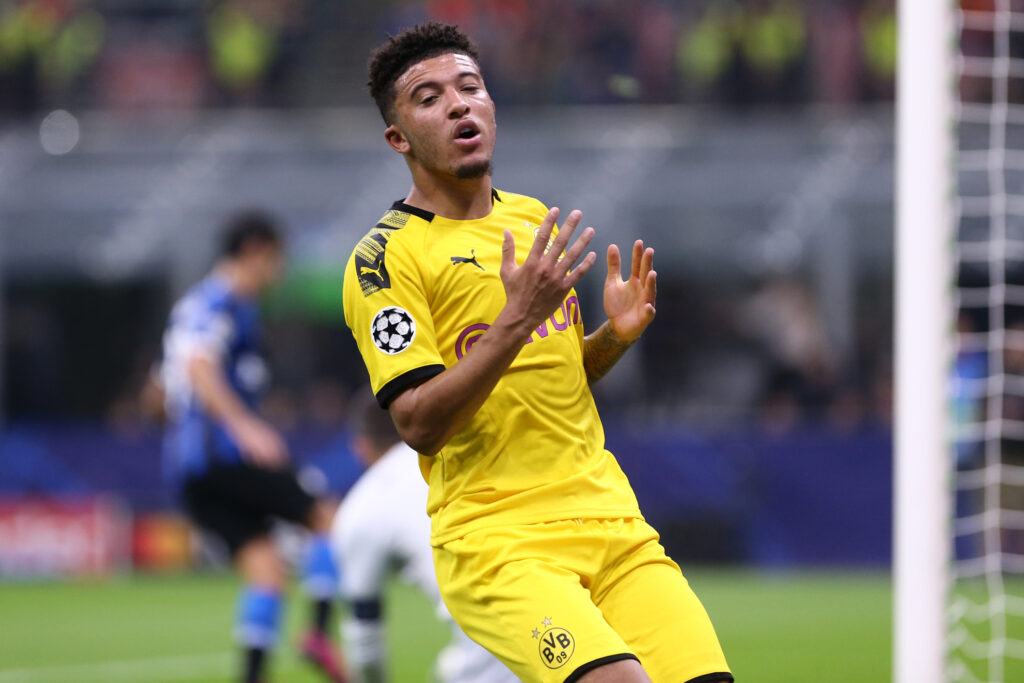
point(537, 287)
point(629, 304)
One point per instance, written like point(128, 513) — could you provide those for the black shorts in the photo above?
point(239, 502)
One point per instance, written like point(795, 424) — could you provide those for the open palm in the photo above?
point(629, 304)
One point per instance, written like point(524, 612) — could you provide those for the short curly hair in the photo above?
point(391, 59)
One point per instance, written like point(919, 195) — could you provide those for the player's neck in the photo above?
point(459, 199)
point(237, 279)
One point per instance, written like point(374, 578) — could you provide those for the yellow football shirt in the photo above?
point(419, 290)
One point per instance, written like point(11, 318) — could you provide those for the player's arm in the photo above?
point(255, 438)
point(629, 305)
point(152, 397)
point(429, 414)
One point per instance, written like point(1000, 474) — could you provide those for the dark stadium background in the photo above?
point(750, 142)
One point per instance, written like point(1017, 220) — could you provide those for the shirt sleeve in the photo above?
point(387, 310)
point(204, 330)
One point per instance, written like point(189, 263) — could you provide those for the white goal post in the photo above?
point(924, 334)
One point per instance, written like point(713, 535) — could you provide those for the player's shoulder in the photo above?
point(390, 484)
point(399, 225)
point(521, 201)
point(208, 296)
point(400, 463)
point(395, 235)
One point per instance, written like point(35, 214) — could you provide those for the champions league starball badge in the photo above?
point(392, 330)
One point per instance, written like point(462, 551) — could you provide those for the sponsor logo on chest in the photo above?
point(564, 317)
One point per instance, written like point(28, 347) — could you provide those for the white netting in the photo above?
point(986, 608)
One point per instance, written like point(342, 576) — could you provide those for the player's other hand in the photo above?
point(538, 286)
point(629, 304)
point(260, 443)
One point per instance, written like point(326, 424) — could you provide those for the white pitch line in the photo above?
point(156, 669)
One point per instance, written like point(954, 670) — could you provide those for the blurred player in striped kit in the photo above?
point(232, 468)
point(381, 529)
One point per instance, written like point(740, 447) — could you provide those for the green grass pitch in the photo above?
point(774, 628)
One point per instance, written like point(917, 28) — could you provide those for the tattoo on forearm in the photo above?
point(601, 350)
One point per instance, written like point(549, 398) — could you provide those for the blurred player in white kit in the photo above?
point(382, 529)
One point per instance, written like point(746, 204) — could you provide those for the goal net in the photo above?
point(986, 604)
point(960, 331)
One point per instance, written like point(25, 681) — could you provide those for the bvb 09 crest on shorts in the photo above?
point(392, 330)
point(555, 644)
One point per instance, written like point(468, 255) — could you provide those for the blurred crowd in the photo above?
point(158, 54)
point(734, 52)
point(761, 351)
point(762, 356)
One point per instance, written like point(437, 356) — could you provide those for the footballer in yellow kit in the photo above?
point(541, 552)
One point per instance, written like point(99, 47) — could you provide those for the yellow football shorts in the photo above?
point(556, 600)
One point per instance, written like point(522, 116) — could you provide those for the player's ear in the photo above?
point(396, 139)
